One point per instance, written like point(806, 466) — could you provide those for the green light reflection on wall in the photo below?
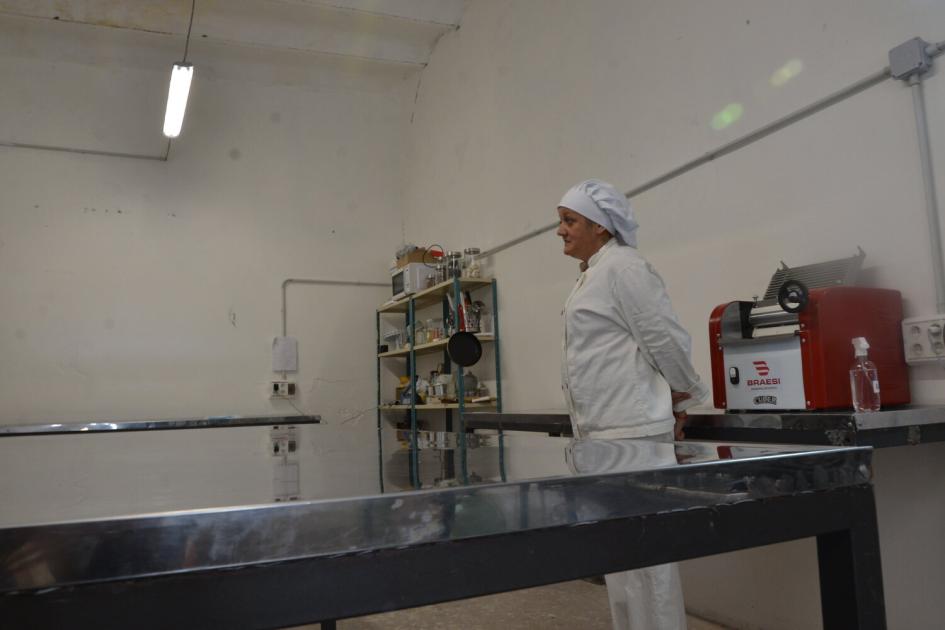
point(728, 116)
point(786, 72)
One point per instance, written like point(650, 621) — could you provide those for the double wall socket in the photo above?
point(282, 389)
point(922, 338)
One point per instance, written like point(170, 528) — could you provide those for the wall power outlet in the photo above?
point(923, 339)
point(282, 389)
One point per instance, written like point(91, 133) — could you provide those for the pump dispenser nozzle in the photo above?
point(860, 346)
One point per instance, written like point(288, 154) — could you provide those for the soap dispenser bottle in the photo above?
point(864, 378)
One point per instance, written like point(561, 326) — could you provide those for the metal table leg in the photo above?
point(851, 585)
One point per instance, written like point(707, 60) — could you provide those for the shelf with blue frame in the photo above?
point(431, 347)
point(438, 294)
point(440, 406)
point(433, 295)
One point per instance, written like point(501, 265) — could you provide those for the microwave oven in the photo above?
point(409, 279)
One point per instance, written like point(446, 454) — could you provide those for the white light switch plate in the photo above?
point(285, 354)
point(923, 339)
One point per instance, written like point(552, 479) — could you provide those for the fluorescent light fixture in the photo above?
point(181, 76)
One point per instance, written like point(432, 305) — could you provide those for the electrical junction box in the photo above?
point(910, 58)
point(282, 389)
point(922, 339)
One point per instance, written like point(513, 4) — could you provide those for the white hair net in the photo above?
point(605, 205)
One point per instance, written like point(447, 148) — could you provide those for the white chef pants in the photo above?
point(642, 599)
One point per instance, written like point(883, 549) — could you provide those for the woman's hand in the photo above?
point(681, 416)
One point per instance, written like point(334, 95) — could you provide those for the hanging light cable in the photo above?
point(181, 75)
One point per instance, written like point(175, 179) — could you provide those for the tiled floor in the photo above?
point(571, 605)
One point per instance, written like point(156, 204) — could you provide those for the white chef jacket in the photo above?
point(624, 350)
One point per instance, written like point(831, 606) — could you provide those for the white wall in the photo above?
point(512, 110)
point(530, 97)
point(149, 289)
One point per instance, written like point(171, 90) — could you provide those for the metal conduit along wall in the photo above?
point(318, 281)
point(914, 80)
point(928, 176)
point(117, 154)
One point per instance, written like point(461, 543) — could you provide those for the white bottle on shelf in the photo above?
point(864, 378)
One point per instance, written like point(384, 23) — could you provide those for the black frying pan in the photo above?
point(464, 348)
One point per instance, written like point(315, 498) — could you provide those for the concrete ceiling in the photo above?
point(400, 32)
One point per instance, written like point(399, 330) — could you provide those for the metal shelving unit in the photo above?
point(408, 307)
point(429, 348)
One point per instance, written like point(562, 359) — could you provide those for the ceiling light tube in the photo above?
point(181, 76)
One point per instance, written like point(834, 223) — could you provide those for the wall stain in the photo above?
point(235, 154)
point(232, 317)
point(275, 117)
point(20, 333)
point(109, 324)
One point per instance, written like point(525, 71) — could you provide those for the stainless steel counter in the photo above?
point(287, 564)
point(892, 427)
point(120, 426)
point(885, 428)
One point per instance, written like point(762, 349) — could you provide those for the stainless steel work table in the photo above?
point(880, 429)
point(320, 560)
point(92, 427)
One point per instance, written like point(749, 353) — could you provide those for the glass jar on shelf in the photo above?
point(454, 264)
point(421, 333)
point(437, 261)
point(471, 266)
point(486, 324)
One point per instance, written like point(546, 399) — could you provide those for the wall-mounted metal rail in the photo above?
point(930, 51)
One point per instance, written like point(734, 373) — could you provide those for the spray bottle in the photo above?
point(864, 379)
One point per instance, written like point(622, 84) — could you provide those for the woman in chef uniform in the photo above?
point(625, 373)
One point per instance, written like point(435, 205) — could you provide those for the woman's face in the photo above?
point(582, 237)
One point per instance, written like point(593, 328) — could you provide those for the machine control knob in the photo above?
point(793, 296)
point(935, 330)
point(733, 375)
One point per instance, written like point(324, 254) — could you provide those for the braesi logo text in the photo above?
point(763, 370)
point(762, 381)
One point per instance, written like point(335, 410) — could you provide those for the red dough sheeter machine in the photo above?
point(791, 350)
